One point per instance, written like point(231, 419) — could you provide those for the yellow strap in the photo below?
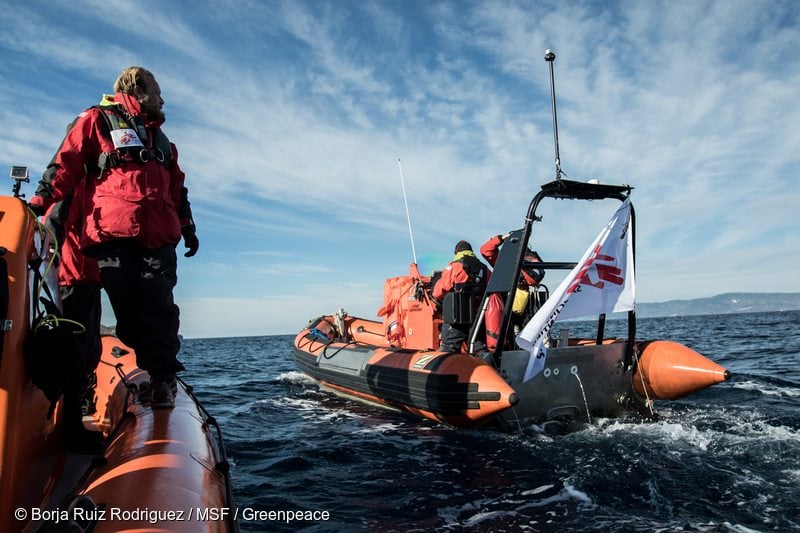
point(54, 321)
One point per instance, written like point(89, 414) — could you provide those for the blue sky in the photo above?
point(290, 118)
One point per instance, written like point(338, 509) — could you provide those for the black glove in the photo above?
point(190, 239)
point(38, 210)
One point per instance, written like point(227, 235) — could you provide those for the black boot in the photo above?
point(162, 395)
point(77, 438)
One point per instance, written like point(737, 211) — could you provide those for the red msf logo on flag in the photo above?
point(606, 268)
point(605, 272)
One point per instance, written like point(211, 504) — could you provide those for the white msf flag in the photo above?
point(602, 282)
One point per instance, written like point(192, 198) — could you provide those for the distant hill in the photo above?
point(732, 302)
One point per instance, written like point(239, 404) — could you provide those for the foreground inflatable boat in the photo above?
point(160, 469)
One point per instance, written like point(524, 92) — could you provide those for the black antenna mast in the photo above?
point(549, 56)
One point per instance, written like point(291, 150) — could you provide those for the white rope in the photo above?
point(648, 401)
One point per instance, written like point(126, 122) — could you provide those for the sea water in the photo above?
point(723, 459)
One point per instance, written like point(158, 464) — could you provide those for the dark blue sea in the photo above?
point(724, 459)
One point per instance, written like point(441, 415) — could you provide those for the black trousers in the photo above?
point(452, 336)
point(81, 303)
point(139, 283)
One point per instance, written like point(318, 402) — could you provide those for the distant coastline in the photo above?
point(722, 304)
point(731, 302)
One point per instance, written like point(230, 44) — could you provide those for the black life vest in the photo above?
point(130, 140)
point(476, 271)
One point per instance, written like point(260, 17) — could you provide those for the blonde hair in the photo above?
point(131, 78)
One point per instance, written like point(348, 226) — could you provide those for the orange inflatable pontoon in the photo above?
point(453, 388)
point(161, 470)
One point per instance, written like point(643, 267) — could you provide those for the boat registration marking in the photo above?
point(424, 360)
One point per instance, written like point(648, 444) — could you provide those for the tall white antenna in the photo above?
point(408, 215)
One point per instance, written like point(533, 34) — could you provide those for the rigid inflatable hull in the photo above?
point(581, 379)
point(167, 461)
point(452, 388)
point(577, 383)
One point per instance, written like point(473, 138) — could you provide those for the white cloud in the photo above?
point(290, 118)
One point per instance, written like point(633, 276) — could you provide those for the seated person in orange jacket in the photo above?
point(464, 268)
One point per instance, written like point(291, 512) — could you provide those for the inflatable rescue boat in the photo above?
point(352, 357)
point(528, 373)
point(396, 364)
point(159, 469)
